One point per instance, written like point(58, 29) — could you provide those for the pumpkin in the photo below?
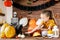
point(32, 24)
point(4, 26)
point(2, 34)
point(9, 31)
point(8, 3)
point(36, 34)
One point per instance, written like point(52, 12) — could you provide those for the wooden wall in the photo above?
point(36, 14)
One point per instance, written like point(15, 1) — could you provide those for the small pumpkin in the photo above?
point(9, 31)
point(36, 34)
point(2, 34)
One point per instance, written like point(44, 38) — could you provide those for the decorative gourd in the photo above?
point(2, 34)
point(9, 31)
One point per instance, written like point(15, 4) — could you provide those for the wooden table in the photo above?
point(33, 38)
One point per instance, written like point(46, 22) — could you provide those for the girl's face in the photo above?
point(44, 17)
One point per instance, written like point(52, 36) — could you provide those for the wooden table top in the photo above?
point(33, 38)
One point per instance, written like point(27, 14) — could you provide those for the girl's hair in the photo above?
point(48, 13)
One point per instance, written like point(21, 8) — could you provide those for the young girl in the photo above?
point(46, 21)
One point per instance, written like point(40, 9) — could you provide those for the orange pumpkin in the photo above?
point(9, 31)
point(32, 24)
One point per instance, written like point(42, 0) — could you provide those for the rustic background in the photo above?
point(35, 14)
